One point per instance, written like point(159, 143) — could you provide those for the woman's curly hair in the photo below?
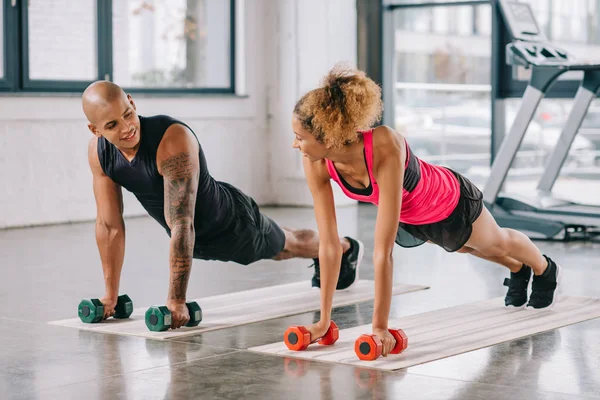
point(347, 102)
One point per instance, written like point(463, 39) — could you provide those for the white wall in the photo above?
point(289, 45)
point(309, 37)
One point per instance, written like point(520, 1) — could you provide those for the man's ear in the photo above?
point(131, 102)
point(94, 131)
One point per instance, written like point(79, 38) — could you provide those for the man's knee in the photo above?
point(283, 255)
point(465, 250)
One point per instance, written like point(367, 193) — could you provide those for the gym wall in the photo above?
point(283, 51)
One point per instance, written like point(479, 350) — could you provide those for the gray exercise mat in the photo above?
point(450, 331)
point(240, 308)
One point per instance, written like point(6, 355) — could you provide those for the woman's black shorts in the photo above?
point(453, 232)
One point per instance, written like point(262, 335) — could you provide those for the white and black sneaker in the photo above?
point(517, 284)
point(351, 260)
point(543, 287)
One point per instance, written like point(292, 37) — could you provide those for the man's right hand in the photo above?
point(180, 313)
point(109, 303)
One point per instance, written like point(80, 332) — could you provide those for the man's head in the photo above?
point(111, 113)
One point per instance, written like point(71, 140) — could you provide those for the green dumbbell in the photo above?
point(159, 318)
point(124, 307)
point(91, 311)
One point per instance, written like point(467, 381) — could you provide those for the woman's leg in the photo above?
point(490, 240)
point(508, 262)
point(493, 242)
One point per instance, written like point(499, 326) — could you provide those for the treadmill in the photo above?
point(542, 214)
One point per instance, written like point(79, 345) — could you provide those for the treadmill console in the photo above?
point(528, 54)
point(530, 45)
point(521, 22)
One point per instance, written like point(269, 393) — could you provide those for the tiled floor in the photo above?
point(47, 270)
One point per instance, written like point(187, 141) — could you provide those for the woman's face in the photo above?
point(306, 142)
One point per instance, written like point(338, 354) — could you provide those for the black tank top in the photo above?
point(214, 202)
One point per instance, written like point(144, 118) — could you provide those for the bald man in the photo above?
point(160, 160)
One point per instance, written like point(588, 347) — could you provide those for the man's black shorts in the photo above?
point(251, 237)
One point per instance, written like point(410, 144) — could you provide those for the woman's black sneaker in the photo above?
point(543, 287)
point(516, 296)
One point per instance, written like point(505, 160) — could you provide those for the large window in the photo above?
point(442, 96)
point(443, 82)
point(568, 21)
point(142, 45)
point(573, 26)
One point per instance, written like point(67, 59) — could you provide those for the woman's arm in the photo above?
point(389, 154)
point(330, 248)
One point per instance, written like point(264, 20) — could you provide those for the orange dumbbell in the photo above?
point(298, 337)
point(368, 347)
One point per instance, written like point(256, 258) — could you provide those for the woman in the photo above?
point(417, 202)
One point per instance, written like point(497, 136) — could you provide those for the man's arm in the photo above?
point(110, 228)
point(178, 163)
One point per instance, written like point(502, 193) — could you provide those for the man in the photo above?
point(160, 160)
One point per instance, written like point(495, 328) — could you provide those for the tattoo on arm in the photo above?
point(181, 182)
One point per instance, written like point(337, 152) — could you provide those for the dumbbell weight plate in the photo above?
point(195, 314)
point(90, 311)
point(124, 307)
point(158, 318)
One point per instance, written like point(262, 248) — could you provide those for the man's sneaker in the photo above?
point(316, 278)
point(543, 287)
point(351, 260)
point(516, 296)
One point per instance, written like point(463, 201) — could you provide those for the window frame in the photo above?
point(16, 60)
point(9, 79)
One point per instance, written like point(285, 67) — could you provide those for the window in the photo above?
point(61, 40)
point(442, 89)
point(483, 20)
point(179, 43)
point(142, 45)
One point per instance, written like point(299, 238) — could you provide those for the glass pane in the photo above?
point(442, 85)
point(574, 26)
point(570, 22)
point(174, 43)
point(1, 39)
point(580, 172)
point(62, 40)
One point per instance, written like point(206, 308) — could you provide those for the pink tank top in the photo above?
point(431, 200)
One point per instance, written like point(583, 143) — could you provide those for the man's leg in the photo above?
point(303, 243)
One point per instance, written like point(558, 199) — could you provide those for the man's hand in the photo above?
point(180, 313)
point(109, 303)
point(387, 340)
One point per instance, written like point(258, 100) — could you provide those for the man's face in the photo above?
point(118, 122)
